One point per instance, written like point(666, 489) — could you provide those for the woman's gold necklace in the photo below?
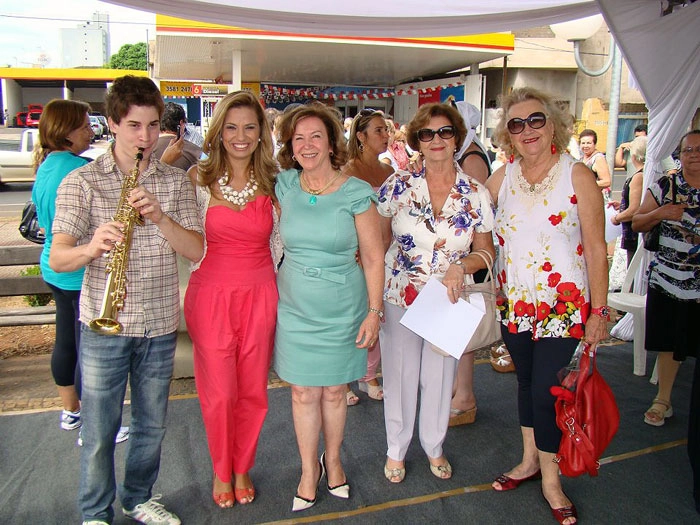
point(314, 193)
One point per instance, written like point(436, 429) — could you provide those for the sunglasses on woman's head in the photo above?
point(427, 134)
point(536, 120)
point(368, 112)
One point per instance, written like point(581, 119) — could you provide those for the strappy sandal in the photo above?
point(351, 398)
point(656, 417)
point(223, 500)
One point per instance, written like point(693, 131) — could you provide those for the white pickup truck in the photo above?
point(16, 156)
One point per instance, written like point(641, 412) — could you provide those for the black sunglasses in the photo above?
point(427, 134)
point(368, 112)
point(536, 120)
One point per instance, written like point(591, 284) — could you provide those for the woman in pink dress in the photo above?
point(231, 299)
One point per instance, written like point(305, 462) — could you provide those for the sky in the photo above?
point(31, 28)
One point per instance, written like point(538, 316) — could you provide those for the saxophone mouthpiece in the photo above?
point(139, 154)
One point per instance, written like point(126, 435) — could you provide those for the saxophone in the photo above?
point(115, 288)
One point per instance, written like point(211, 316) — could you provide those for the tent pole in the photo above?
point(614, 109)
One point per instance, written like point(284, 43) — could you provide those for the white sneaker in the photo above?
point(70, 420)
point(152, 513)
point(95, 522)
point(122, 436)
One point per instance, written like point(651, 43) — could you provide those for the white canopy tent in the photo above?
point(662, 52)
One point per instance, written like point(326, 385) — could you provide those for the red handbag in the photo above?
point(586, 413)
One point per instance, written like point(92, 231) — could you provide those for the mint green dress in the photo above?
point(322, 290)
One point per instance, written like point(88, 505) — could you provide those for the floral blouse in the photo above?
point(424, 245)
point(542, 270)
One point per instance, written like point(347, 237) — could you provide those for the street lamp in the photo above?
point(576, 31)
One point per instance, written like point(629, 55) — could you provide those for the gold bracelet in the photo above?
point(376, 311)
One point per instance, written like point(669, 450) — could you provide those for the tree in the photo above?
point(130, 56)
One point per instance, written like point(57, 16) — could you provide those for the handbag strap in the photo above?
point(674, 188)
point(488, 260)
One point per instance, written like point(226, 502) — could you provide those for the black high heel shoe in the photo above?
point(341, 491)
point(300, 502)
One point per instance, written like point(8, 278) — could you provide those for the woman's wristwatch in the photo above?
point(602, 311)
point(459, 263)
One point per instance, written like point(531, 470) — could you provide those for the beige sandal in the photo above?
point(351, 398)
point(656, 417)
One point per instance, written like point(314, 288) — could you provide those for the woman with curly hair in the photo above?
point(553, 273)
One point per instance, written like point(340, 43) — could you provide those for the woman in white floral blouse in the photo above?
point(433, 220)
point(553, 273)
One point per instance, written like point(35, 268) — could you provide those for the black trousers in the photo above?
point(537, 364)
point(64, 358)
point(694, 434)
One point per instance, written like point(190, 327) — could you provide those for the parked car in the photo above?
point(33, 118)
point(96, 128)
point(21, 119)
point(105, 125)
point(16, 156)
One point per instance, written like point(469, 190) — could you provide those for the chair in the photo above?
point(634, 303)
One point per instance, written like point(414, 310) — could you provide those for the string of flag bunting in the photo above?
point(271, 93)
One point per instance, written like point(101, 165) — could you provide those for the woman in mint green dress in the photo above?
point(330, 306)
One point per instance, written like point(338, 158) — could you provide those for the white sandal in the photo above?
point(658, 417)
point(351, 398)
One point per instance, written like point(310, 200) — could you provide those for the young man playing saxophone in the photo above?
point(140, 345)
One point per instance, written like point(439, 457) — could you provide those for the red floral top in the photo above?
point(542, 270)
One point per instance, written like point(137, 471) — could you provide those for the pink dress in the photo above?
point(231, 311)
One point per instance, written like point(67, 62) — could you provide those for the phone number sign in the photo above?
point(176, 89)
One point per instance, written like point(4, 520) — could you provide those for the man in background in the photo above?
point(622, 154)
point(181, 152)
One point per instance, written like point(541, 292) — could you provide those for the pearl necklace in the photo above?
point(314, 193)
point(239, 198)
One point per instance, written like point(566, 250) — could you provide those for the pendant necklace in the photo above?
point(239, 198)
point(314, 193)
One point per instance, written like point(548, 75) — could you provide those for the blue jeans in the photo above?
point(106, 362)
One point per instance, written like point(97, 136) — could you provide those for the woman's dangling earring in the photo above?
point(361, 147)
point(553, 149)
point(511, 159)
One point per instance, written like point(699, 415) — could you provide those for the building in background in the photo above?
point(88, 44)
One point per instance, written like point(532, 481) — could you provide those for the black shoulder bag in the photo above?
point(29, 224)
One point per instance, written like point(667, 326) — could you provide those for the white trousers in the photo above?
point(409, 363)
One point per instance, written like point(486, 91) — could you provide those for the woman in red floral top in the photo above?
point(553, 274)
